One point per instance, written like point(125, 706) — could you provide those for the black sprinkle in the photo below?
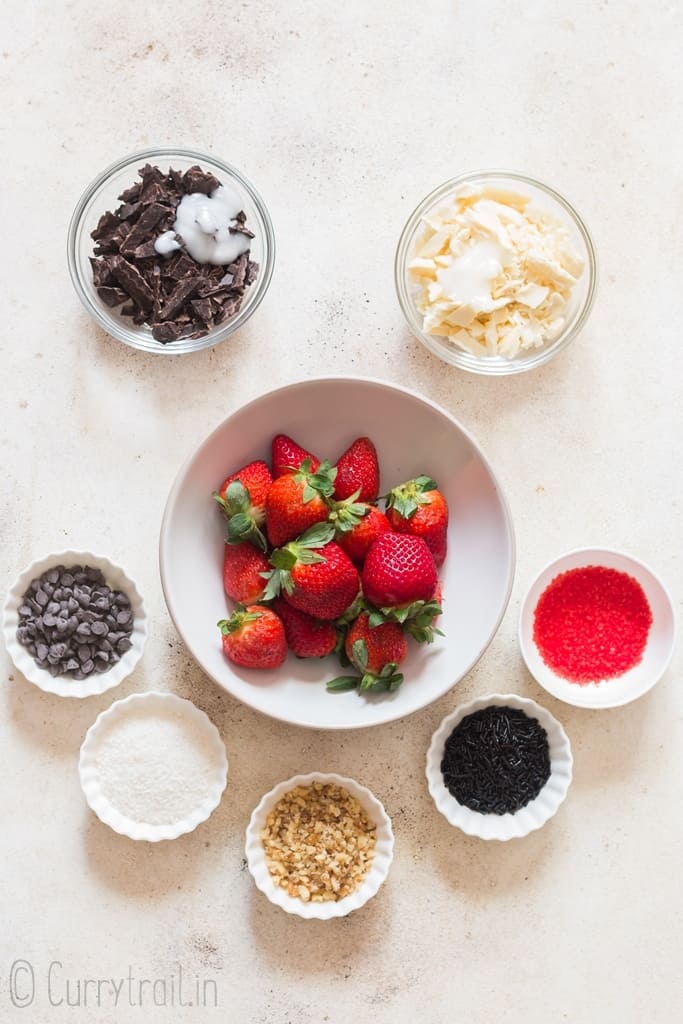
point(496, 760)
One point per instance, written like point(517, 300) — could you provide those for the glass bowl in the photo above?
point(102, 195)
point(582, 296)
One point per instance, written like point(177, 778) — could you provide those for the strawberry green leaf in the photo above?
point(316, 536)
point(283, 558)
point(359, 654)
point(376, 619)
point(342, 684)
point(407, 498)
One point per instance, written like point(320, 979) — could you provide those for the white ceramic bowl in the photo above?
point(64, 686)
point(610, 693)
point(526, 819)
point(413, 436)
point(379, 869)
point(157, 703)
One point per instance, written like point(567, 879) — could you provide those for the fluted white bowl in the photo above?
point(379, 868)
point(65, 686)
point(88, 767)
point(527, 819)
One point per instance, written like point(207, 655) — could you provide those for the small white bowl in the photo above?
point(159, 703)
point(610, 693)
point(64, 686)
point(384, 850)
point(527, 819)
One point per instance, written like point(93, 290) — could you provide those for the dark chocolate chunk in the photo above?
point(143, 228)
point(133, 283)
point(197, 180)
point(167, 332)
point(106, 225)
point(178, 297)
point(111, 296)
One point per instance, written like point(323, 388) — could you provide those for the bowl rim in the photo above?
point(376, 876)
point(127, 335)
point(554, 684)
point(165, 548)
point(515, 825)
point(63, 686)
point(106, 812)
point(465, 360)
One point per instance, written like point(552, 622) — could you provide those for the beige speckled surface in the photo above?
point(345, 116)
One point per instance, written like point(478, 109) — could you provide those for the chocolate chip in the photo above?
point(71, 665)
point(100, 628)
point(41, 598)
point(88, 666)
point(49, 620)
point(67, 579)
point(123, 645)
point(52, 575)
point(42, 651)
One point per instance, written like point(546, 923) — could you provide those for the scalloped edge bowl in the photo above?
point(106, 812)
point(379, 869)
point(620, 690)
point(527, 819)
point(63, 686)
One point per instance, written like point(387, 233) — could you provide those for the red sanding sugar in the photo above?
point(592, 624)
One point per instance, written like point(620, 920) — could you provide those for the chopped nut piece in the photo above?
point(318, 842)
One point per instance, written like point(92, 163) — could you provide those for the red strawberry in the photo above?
point(288, 455)
point(314, 574)
point(399, 570)
point(242, 568)
point(384, 644)
point(307, 637)
point(358, 471)
point(296, 501)
point(242, 497)
point(254, 637)
point(376, 651)
point(357, 540)
point(417, 507)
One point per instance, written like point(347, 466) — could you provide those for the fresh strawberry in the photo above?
point(242, 568)
point(296, 501)
point(254, 637)
point(398, 570)
point(314, 574)
point(376, 652)
point(288, 455)
point(418, 507)
point(242, 498)
point(356, 541)
point(306, 637)
point(358, 471)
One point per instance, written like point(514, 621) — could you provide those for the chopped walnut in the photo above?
point(318, 842)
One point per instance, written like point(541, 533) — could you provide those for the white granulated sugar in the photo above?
point(155, 767)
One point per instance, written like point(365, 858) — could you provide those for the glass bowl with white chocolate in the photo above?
point(495, 272)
